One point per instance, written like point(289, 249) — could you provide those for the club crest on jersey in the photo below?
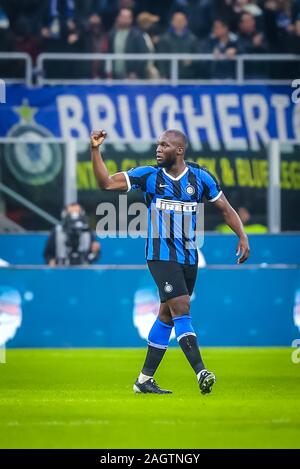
point(168, 287)
point(190, 190)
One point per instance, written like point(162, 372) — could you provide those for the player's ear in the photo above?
point(180, 150)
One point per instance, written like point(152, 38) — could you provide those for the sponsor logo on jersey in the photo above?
point(176, 205)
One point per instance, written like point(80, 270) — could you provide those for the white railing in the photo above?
point(172, 59)
point(13, 56)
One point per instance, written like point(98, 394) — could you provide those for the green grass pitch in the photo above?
point(83, 399)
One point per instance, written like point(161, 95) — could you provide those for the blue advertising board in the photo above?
point(28, 248)
point(116, 307)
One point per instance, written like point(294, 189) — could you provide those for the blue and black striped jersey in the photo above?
point(172, 208)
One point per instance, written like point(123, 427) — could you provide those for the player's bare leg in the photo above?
point(187, 339)
point(158, 340)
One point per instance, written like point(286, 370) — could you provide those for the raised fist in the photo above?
point(97, 138)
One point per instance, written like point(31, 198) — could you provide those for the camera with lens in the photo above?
point(74, 225)
point(72, 242)
point(77, 238)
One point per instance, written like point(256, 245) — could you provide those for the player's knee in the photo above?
point(180, 306)
point(165, 314)
point(166, 318)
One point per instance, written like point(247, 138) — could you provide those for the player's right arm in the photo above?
point(116, 182)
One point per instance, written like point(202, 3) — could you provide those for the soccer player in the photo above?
point(172, 190)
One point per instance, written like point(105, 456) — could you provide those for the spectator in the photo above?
point(222, 41)
point(146, 23)
point(97, 42)
point(201, 16)
point(64, 35)
point(225, 9)
point(202, 13)
point(223, 44)
point(62, 9)
point(161, 8)
point(33, 10)
point(126, 39)
point(261, 25)
point(247, 6)
point(128, 4)
point(249, 40)
point(179, 39)
point(71, 242)
point(25, 40)
point(278, 23)
point(74, 36)
point(74, 42)
point(56, 14)
point(51, 42)
point(106, 9)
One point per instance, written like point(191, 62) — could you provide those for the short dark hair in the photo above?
point(179, 136)
point(181, 11)
point(223, 21)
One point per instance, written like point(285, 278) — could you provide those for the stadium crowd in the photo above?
point(224, 28)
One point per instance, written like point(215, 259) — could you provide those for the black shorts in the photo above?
point(173, 279)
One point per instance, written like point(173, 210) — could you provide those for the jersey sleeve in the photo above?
point(136, 177)
point(211, 188)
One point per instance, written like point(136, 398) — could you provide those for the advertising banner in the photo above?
point(228, 128)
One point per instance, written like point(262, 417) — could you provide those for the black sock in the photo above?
point(190, 348)
point(153, 358)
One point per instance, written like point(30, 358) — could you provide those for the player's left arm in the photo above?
point(233, 220)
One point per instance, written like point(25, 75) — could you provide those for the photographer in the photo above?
point(72, 242)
